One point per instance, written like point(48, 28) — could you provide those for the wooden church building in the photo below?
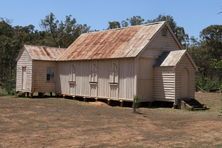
point(145, 61)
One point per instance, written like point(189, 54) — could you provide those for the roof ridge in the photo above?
point(146, 24)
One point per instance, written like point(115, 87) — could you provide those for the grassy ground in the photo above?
point(69, 123)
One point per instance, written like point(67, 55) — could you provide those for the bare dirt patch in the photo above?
point(97, 103)
point(68, 123)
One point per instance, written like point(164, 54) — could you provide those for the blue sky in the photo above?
point(193, 15)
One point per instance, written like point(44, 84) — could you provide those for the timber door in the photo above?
point(24, 78)
point(72, 81)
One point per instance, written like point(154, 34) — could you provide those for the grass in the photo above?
point(55, 122)
point(212, 100)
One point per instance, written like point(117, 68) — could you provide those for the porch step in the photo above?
point(192, 104)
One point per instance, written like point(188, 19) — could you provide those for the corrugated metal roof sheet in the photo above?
point(114, 43)
point(43, 52)
point(173, 58)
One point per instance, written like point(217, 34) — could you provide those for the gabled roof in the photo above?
point(114, 43)
point(43, 52)
point(172, 58)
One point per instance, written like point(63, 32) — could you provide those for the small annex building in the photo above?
point(146, 61)
point(36, 69)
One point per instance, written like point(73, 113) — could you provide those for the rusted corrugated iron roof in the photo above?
point(43, 52)
point(114, 43)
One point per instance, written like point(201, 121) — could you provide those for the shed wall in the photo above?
point(145, 79)
point(185, 63)
point(24, 61)
point(124, 89)
point(158, 84)
point(40, 83)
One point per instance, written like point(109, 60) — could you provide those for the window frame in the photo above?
point(94, 73)
point(114, 75)
point(50, 74)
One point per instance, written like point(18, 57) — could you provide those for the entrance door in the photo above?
point(72, 82)
point(184, 83)
point(24, 78)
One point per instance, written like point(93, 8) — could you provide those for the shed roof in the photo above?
point(114, 43)
point(172, 58)
point(43, 52)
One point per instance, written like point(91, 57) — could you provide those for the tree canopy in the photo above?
point(206, 52)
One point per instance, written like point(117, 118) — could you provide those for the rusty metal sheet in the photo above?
point(43, 52)
point(114, 43)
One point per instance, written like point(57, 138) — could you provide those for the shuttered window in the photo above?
point(72, 76)
point(114, 78)
point(94, 71)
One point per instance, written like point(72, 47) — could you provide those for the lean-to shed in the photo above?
point(36, 69)
point(145, 61)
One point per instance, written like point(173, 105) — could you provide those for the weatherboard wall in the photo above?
point(39, 81)
point(24, 61)
point(103, 87)
point(155, 83)
point(185, 67)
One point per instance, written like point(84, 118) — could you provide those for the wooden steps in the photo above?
point(192, 104)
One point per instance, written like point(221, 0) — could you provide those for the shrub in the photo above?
point(3, 92)
point(135, 103)
point(8, 88)
point(206, 84)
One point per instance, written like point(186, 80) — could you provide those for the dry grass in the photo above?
point(212, 100)
point(69, 123)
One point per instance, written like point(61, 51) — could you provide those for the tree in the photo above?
point(135, 20)
point(114, 24)
point(212, 39)
point(124, 23)
point(12, 38)
point(62, 33)
point(9, 47)
point(207, 54)
point(212, 45)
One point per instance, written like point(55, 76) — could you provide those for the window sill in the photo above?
point(113, 84)
point(93, 83)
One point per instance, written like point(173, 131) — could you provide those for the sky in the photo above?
point(193, 15)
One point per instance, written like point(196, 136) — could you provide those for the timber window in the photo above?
point(94, 71)
point(114, 79)
point(72, 73)
point(50, 74)
point(72, 76)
